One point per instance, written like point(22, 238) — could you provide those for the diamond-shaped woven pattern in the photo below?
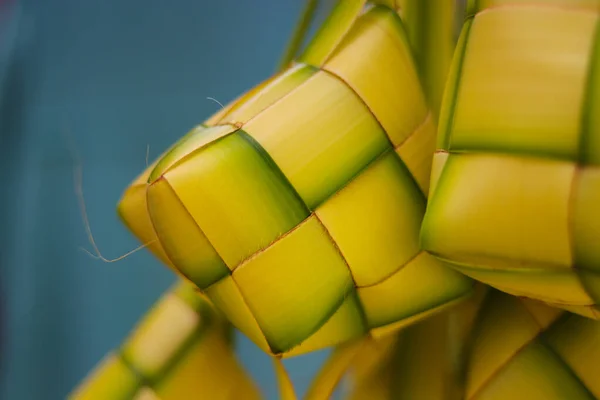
point(521, 346)
point(516, 178)
point(297, 209)
point(180, 339)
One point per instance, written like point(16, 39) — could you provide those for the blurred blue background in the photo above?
point(113, 76)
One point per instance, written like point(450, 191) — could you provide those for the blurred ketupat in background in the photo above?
point(108, 78)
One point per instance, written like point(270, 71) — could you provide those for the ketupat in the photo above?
point(297, 208)
point(523, 349)
point(516, 177)
point(181, 350)
point(508, 347)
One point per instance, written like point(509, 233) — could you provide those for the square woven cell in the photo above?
point(134, 208)
point(369, 217)
point(235, 194)
point(319, 148)
point(526, 98)
point(295, 285)
point(488, 208)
